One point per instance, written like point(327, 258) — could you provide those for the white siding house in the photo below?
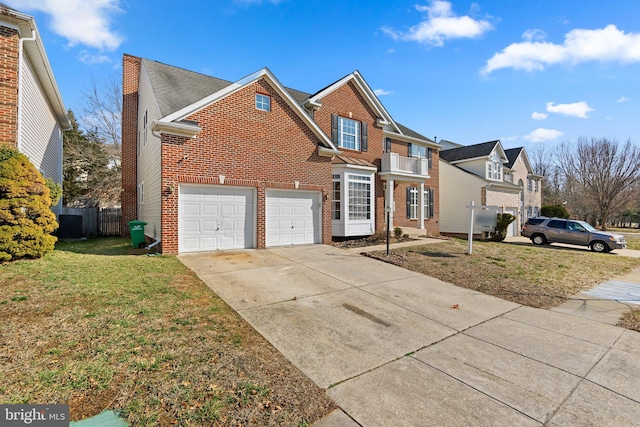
point(39, 115)
point(149, 158)
point(488, 175)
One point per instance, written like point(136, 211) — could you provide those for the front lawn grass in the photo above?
point(99, 325)
point(540, 277)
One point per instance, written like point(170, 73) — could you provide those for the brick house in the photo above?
point(32, 114)
point(489, 175)
point(212, 164)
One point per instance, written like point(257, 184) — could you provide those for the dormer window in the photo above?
point(494, 168)
point(263, 102)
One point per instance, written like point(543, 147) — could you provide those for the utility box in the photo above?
point(136, 229)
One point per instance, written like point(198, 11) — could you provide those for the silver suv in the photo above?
point(542, 230)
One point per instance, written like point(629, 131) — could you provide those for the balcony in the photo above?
point(395, 166)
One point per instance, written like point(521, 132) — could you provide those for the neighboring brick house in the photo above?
point(32, 114)
point(487, 175)
point(212, 164)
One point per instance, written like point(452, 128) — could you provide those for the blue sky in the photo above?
point(526, 72)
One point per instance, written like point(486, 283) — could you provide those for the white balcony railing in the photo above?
point(397, 164)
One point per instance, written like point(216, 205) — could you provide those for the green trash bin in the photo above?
point(136, 229)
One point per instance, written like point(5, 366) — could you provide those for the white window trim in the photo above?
point(263, 102)
point(368, 180)
point(413, 207)
point(337, 178)
point(342, 121)
point(145, 123)
point(141, 193)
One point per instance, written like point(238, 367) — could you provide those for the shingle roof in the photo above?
point(344, 160)
point(299, 96)
point(468, 152)
point(409, 132)
point(176, 88)
point(512, 155)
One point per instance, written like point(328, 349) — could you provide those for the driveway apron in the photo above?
point(394, 347)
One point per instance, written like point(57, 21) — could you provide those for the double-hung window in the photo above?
point(337, 197)
point(359, 197)
point(416, 150)
point(348, 133)
point(413, 202)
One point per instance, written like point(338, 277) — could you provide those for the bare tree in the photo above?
point(102, 119)
point(102, 114)
point(600, 172)
point(544, 163)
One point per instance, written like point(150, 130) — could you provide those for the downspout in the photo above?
point(20, 67)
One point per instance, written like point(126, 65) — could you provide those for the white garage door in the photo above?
point(214, 217)
point(293, 217)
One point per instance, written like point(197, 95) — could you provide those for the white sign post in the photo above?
point(487, 216)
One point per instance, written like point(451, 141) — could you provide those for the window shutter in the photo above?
point(364, 137)
point(408, 202)
point(334, 129)
point(430, 202)
point(409, 153)
point(429, 157)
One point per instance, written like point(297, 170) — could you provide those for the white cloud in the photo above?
point(534, 35)
point(86, 22)
point(382, 92)
point(608, 44)
point(542, 135)
point(623, 99)
point(441, 24)
point(90, 59)
point(577, 109)
point(539, 116)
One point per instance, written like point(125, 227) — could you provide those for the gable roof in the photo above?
point(176, 88)
point(34, 49)
point(175, 120)
point(469, 152)
point(384, 118)
point(512, 156)
point(180, 92)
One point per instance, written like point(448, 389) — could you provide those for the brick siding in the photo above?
point(9, 86)
point(249, 147)
point(129, 196)
point(348, 102)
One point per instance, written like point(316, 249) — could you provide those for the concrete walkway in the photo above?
point(398, 348)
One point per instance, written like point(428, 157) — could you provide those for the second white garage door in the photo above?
point(293, 217)
point(212, 217)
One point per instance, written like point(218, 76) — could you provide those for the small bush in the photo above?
point(558, 211)
point(504, 219)
point(397, 232)
point(26, 219)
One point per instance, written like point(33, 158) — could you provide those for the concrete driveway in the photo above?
point(394, 347)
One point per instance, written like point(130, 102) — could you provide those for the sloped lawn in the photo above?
point(99, 325)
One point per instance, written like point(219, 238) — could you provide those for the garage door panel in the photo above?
point(293, 218)
point(209, 226)
point(191, 209)
point(215, 217)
